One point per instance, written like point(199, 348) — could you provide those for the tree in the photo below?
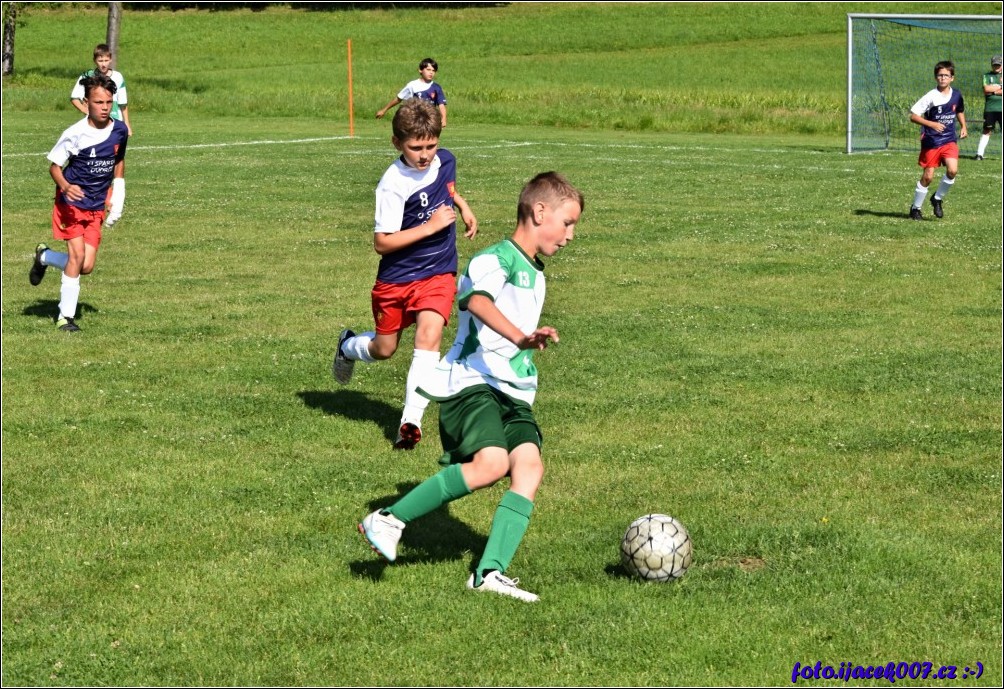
point(9, 24)
point(112, 37)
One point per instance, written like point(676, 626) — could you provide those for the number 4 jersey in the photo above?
point(479, 355)
point(88, 157)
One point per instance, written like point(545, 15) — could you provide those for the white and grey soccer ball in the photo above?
point(656, 547)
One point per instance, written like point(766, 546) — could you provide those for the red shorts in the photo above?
point(70, 222)
point(395, 306)
point(935, 157)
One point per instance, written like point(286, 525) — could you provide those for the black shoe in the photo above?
point(342, 366)
point(67, 325)
point(979, 157)
point(938, 210)
point(37, 271)
point(915, 214)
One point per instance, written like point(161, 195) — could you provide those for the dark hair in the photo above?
point(417, 119)
point(550, 188)
point(427, 62)
point(98, 81)
point(102, 49)
point(945, 64)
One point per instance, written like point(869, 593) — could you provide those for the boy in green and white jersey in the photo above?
point(103, 66)
point(486, 385)
point(992, 107)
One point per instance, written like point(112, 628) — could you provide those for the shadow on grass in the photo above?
point(354, 405)
point(617, 571)
point(435, 537)
point(47, 308)
point(881, 214)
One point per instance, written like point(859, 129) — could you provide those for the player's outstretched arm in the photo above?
point(383, 111)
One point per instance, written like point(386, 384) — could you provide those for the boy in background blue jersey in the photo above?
point(486, 385)
point(415, 236)
point(936, 112)
point(424, 87)
point(88, 157)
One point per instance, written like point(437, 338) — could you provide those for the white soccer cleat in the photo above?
point(383, 531)
point(496, 582)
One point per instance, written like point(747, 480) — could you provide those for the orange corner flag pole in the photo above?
point(351, 121)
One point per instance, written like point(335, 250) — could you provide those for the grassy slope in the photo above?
point(714, 67)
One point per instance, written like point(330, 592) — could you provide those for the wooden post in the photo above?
point(112, 35)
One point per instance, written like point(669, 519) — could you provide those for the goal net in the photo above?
point(890, 65)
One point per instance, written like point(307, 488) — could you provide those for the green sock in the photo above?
point(431, 494)
point(508, 526)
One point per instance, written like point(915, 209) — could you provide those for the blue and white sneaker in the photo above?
point(383, 531)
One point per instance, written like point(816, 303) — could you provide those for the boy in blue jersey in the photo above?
point(487, 383)
point(937, 113)
point(120, 111)
point(415, 236)
point(85, 161)
point(424, 87)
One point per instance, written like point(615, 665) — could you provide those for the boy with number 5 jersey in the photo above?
point(937, 113)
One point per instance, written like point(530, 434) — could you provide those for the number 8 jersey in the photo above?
point(405, 198)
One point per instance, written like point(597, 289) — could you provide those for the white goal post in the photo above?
point(890, 65)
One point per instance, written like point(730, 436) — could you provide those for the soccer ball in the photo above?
point(656, 547)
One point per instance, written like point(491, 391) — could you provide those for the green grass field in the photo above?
point(754, 339)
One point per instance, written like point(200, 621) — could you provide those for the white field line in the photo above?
point(459, 145)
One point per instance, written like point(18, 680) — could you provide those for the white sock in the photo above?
point(982, 148)
point(56, 259)
point(69, 293)
point(423, 362)
point(944, 188)
point(919, 194)
point(358, 348)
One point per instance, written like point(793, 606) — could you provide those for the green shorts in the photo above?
point(481, 417)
